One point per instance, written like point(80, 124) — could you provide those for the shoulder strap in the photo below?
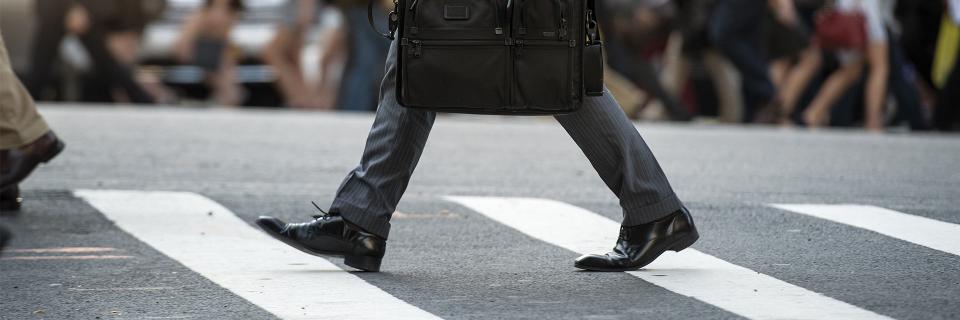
point(393, 19)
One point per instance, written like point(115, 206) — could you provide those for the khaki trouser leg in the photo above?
point(20, 123)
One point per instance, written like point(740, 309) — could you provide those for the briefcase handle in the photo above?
point(393, 19)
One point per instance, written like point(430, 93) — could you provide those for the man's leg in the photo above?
point(25, 138)
point(20, 123)
point(359, 219)
point(370, 193)
point(654, 220)
point(622, 158)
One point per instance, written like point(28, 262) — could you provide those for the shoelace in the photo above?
point(323, 214)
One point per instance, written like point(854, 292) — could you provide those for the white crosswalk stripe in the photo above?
point(212, 241)
point(691, 273)
point(209, 239)
point(935, 234)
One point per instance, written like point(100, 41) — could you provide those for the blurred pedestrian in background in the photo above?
point(865, 17)
point(124, 36)
point(743, 61)
point(735, 29)
point(689, 54)
point(632, 28)
point(363, 49)
point(90, 21)
point(204, 41)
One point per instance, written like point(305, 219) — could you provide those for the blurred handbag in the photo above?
point(508, 57)
point(838, 29)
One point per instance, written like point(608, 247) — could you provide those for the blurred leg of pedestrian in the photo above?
point(875, 57)
point(796, 82)
point(877, 84)
point(728, 86)
point(725, 79)
point(947, 111)
point(333, 57)
point(282, 53)
point(204, 41)
point(45, 49)
point(25, 138)
point(735, 31)
point(364, 66)
point(817, 113)
point(123, 35)
point(625, 46)
point(902, 85)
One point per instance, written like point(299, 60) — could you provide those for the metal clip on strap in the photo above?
point(393, 20)
point(592, 27)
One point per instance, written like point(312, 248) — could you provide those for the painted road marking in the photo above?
point(209, 239)
point(934, 234)
point(87, 257)
point(63, 250)
point(690, 273)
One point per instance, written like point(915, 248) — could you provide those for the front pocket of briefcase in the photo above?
point(542, 19)
point(456, 19)
point(543, 71)
point(455, 75)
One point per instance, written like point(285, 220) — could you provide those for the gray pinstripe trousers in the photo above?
point(370, 193)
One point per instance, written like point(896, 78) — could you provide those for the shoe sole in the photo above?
point(365, 263)
point(676, 246)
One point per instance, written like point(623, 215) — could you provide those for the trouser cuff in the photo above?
point(24, 136)
point(361, 217)
point(644, 214)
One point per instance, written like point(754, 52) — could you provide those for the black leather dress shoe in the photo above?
point(10, 199)
point(18, 163)
point(329, 235)
point(639, 245)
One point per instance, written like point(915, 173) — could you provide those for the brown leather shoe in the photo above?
point(17, 164)
point(10, 199)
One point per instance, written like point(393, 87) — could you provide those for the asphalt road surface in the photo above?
point(147, 215)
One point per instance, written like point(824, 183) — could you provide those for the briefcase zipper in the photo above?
point(415, 47)
point(548, 43)
point(562, 30)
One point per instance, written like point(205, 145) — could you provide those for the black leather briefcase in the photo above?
point(513, 57)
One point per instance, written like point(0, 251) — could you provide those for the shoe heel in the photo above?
point(56, 151)
point(686, 242)
point(364, 263)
